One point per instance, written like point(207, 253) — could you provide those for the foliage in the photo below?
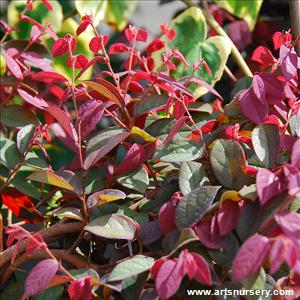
point(146, 187)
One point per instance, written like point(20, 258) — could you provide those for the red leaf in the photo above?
point(21, 206)
point(80, 61)
point(33, 100)
point(155, 45)
point(142, 35)
point(13, 66)
point(267, 184)
point(228, 216)
point(70, 39)
point(80, 289)
point(263, 56)
point(35, 244)
point(48, 77)
point(135, 87)
point(89, 64)
point(209, 126)
point(64, 121)
point(60, 47)
point(95, 44)
point(39, 277)
point(132, 160)
point(118, 48)
point(250, 257)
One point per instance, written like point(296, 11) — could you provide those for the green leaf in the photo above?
point(17, 116)
point(295, 124)
point(9, 154)
point(243, 9)
point(194, 205)
point(131, 267)
point(191, 40)
point(179, 149)
point(53, 293)
point(191, 176)
point(256, 281)
point(24, 137)
point(136, 180)
point(148, 103)
point(113, 226)
point(228, 163)
point(51, 178)
point(40, 13)
point(266, 143)
point(95, 180)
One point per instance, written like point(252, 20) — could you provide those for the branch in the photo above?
point(54, 231)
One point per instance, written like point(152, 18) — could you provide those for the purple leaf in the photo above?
point(90, 114)
point(288, 62)
point(150, 232)
point(33, 100)
point(295, 158)
point(13, 66)
point(37, 61)
point(274, 88)
point(40, 276)
point(96, 155)
point(289, 223)
point(252, 108)
point(240, 34)
point(250, 257)
point(49, 77)
point(267, 184)
point(174, 83)
point(63, 120)
point(294, 185)
point(259, 88)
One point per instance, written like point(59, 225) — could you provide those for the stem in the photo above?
point(211, 21)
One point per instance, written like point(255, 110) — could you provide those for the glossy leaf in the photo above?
point(193, 206)
point(114, 226)
point(9, 154)
point(105, 196)
point(228, 162)
point(24, 137)
point(131, 267)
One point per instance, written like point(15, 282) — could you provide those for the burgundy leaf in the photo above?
point(133, 159)
point(90, 114)
point(250, 257)
point(13, 66)
point(96, 155)
point(49, 77)
point(288, 62)
point(259, 88)
point(267, 184)
point(33, 100)
point(295, 158)
point(206, 85)
point(150, 232)
point(274, 88)
point(166, 218)
point(40, 276)
point(252, 108)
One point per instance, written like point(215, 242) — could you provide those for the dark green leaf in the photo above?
point(148, 103)
point(9, 153)
point(24, 137)
point(17, 116)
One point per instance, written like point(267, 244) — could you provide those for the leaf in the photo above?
point(178, 150)
point(48, 77)
point(109, 144)
point(33, 100)
point(191, 39)
point(193, 206)
point(289, 223)
point(69, 212)
point(191, 176)
point(80, 289)
point(50, 178)
point(267, 185)
point(148, 103)
point(13, 66)
point(243, 9)
point(24, 137)
point(250, 257)
point(17, 116)
point(105, 196)
point(228, 163)
point(90, 115)
point(143, 134)
point(136, 180)
point(53, 293)
point(266, 143)
point(40, 276)
point(251, 107)
point(64, 121)
point(113, 226)
point(131, 267)
point(107, 90)
point(9, 154)
point(86, 7)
